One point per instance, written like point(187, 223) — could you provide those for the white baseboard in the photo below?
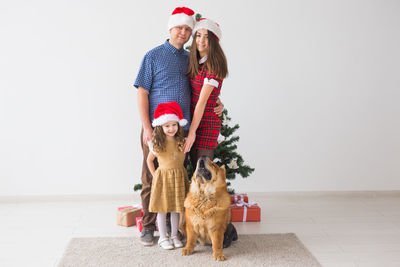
point(363, 194)
point(136, 196)
point(63, 198)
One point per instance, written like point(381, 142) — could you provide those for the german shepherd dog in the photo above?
point(207, 212)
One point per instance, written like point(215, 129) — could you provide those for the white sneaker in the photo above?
point(177, 243)
point(165, 243)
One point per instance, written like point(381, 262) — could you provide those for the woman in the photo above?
point(207, 69)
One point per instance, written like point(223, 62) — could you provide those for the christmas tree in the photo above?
point(225, 153)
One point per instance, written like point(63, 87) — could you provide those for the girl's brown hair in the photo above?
point(216, 60)
point(159, 139)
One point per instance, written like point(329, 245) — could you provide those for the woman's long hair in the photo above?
point(216, 60)
point(159, 139)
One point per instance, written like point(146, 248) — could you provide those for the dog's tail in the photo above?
point(182, 223)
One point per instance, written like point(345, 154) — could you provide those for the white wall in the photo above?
point(314, 85)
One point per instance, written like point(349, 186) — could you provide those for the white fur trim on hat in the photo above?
point(180, 20)
point(166, 118)
point(208, 25)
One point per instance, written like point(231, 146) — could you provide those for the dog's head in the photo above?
point(208, 177)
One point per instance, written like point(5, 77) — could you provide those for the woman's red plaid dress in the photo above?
point(210, 125)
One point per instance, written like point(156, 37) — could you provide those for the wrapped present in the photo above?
point(139, 224)
point(127, 216)
point(245, 212)
point(239, 197)
point(121, 208)
point(138, 206)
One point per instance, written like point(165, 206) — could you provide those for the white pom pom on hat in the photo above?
point(170, 111)
point(208, 24)
point(181, 16)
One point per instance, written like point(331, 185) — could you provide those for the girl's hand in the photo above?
point(189, 141)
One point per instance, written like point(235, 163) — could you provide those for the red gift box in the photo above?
point(139, 224)
point(239, 197)
point(245, 212)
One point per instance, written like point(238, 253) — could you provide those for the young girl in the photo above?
point(207, 69)
point(170, 180)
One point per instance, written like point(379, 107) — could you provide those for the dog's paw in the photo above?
point(186, 251)
point(219, 256)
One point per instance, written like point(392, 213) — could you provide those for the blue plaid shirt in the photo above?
point(162, 73)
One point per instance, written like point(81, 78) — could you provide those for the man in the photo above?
point(161, 79)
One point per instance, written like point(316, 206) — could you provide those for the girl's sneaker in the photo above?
point(165, 243)
point(177, 243)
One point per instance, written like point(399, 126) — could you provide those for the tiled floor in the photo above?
point(340, 229)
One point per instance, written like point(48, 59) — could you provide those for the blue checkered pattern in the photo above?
point(162, 73)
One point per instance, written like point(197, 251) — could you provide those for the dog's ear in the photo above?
point(223, 169)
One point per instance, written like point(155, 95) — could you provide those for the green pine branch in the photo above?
point(137, 187)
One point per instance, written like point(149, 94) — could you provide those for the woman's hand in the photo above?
point(218, 108)
point(189, 141)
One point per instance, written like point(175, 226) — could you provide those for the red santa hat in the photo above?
point(166, 112)
point(181, 16)
point(208, 24)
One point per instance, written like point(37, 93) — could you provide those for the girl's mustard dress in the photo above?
point(170, 182)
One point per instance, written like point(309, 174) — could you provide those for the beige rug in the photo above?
point(249, 250)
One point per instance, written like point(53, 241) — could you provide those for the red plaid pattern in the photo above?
point(210, 125)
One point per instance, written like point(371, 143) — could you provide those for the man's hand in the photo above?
point(219, 108)
point(147, 134)
point(143, 103)
point(189, 141)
